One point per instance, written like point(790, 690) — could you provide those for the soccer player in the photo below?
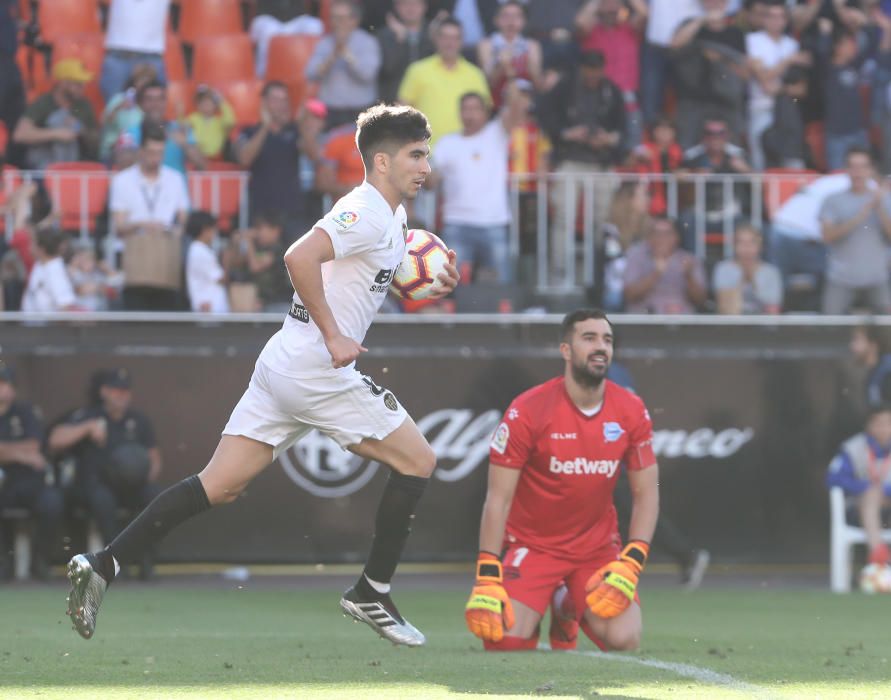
point(549, 533)
point(305, 378)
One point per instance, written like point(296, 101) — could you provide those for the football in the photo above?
point(425, 257)
point(875, 578)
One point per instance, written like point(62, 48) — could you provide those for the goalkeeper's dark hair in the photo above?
point(387, 128)
point(579, 315)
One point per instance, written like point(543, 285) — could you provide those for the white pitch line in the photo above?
point(697, 673)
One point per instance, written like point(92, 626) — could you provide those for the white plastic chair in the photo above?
point(842, 537)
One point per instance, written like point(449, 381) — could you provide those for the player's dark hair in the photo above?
point(152, 131)
point(198, 222)
point(388, 128)
point(577, 316)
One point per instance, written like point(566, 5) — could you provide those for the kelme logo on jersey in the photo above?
point(612, 431)
point(345, 219)
point(580, 465)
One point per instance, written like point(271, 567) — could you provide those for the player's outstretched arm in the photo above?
point(612, 587)
point(489, 612)
point(304, 261)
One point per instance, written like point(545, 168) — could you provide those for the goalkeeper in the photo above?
point(549, 534)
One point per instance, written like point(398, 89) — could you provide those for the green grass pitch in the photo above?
point(171, 640)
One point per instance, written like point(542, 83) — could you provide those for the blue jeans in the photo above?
point(655, 66)
point(116, 70)
point(837, 146)
point(482, 247)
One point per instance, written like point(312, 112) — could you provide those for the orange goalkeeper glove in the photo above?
point(611, 588)
point(489, 612)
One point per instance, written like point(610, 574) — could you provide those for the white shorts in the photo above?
point(348, 407)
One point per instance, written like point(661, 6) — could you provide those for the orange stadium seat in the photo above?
point(220, 59)
point(174, 60)
point(180, 98)
point(244, 96)
point(79, 191)
point(217, 190)
point(288, 56)
point(60, 17)
point(32, 66)
point(203, 18)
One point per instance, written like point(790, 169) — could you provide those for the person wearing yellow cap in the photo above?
point(60, 125)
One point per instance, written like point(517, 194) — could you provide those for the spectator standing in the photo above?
point(49, 287)
point(345, 65)
point(506, 54)
point(660, 155)
point(715, 155)
point(276, 17)
point(856, 227)
point(135, 35)
point(615, 30)
point(148, 204)
point(472, 167)
point(746, 284)
point(661, 278)
point(24, 470)
point(840, 59)
point(771, 52)
point(60, 125)
point(435, 85)
point(180, 146)
point(475, 16)
point(552, 24)
point(584, 116)
point(122, 112)
point(12, 89)
point(862, 468)
point(710, 72)
point(404, 40)
point(272, 151)
point(205, 277)
point(340, 168)
point(783, 142)
point(118, 460)
point(211, 122)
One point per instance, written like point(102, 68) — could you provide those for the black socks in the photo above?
point(392, 526)
point(172, 507)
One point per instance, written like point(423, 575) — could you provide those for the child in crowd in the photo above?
point(211, 122)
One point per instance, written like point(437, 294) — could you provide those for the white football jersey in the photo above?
point(369, 242)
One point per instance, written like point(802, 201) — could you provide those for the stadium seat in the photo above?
point(205, 18)
point(174, 60)
point(35, 75)
point(781, 183)
point(10, 179)
point(244, 96)
point(288, 56)
point(180, 98)
point(79, 191)
point(58, 18)
point(220, 59)
point(843, 537)
point(218, 190)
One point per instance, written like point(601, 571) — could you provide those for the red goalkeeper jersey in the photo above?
point(570, 464)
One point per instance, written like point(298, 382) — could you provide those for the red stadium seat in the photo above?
point(10, 180)
point(204, 18)
point(60, 17)
point(244, 96)
point(220, 59)
point(79, 191)
point(180, 99)
point(288, 56)
point(174, 61)
point(217, 190)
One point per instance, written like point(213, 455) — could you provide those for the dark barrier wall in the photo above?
point(745, 419)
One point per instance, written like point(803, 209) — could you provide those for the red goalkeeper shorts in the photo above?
point(531, 577)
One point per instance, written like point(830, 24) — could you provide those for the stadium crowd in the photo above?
point(619, 108)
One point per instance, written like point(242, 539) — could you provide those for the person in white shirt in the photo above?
point(770, 52)
point(472, 168)
point(135, 35)
point(305, 378)
point(205, 277)
point(148, 205)
point(49, 287)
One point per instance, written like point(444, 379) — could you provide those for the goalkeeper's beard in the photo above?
point(586, 377)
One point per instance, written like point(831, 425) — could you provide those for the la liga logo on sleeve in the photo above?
point(500, 438)
point(345, 219)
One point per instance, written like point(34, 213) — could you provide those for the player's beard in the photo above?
point(587, 377)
